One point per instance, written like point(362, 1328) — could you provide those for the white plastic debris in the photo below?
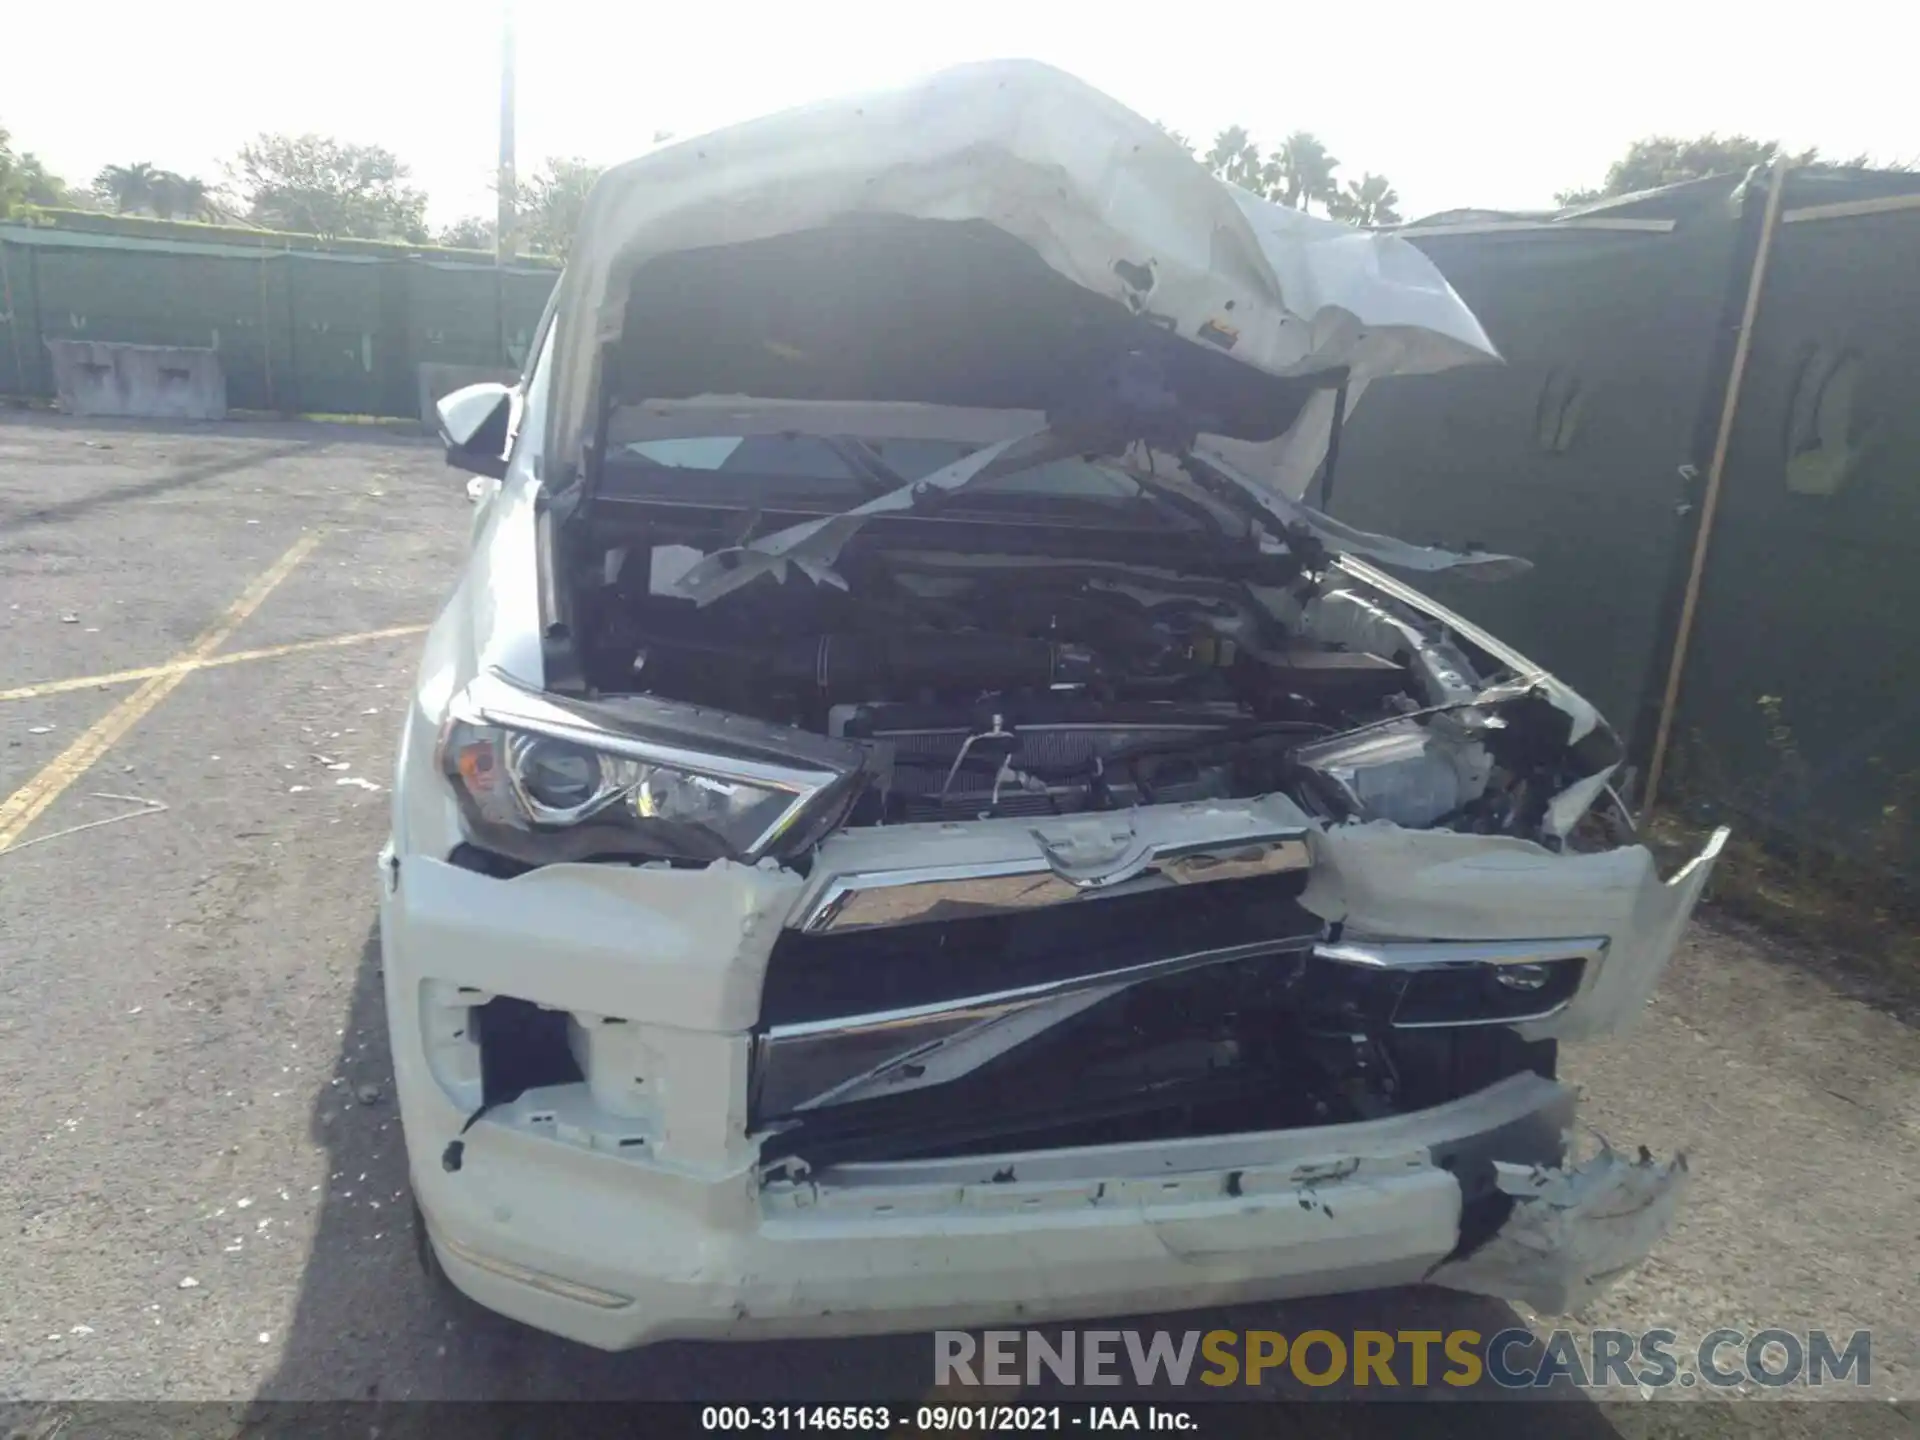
point(187, 1282)
point(243, 1202)
point(1573, 1231)
point(39, 729)
point(357, 780)
point(297, 789)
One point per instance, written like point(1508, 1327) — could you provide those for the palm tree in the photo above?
point(126, 187)
point(1368, 201)
point(1300, 172)
point(171, 194)
point(1235, 158)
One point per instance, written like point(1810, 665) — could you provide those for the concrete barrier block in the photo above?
point(155, 382)
point(438, 379)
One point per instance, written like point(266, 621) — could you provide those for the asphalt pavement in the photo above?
point(204, 1193)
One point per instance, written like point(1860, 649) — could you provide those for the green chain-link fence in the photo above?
point(298, 332)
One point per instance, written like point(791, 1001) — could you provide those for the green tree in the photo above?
point(174, 196)
point(126, 187)
point(1300, 173)
point(25, 181)
point(470, 233)
point(321, 186)
point(1236, 159)
point(39, 185)
point(166, 194)
point(1371, 200)
point(12, 186)
point(1666, 160)
point(550, 203)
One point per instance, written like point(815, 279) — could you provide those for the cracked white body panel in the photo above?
point(1380, 881)
point(620, 1213)
point(1572, 1231)
point(1094, 189)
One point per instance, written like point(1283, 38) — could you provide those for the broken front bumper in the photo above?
point(631, 1207)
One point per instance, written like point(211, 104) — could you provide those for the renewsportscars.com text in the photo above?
point(1510, 1359)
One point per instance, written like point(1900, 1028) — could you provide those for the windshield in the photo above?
point(793, 464)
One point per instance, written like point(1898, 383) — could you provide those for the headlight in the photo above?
point(541, 784)
point(1408, 773)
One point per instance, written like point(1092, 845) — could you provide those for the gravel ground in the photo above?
point(205, 1188)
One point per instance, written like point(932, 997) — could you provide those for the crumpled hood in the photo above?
point(1244, 290)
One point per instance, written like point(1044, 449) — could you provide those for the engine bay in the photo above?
point(983, 689)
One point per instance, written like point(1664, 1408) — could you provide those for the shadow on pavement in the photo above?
point(368, 1325)
point(243, 425)
point(176, 480)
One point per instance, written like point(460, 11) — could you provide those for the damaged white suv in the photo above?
point(907, 821)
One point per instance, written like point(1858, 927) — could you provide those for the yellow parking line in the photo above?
point(24, 806)
point(234, 657)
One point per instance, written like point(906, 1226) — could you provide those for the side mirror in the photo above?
point(473, 426)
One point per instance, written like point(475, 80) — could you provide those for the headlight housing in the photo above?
point(1406, 772)
point(543, 782)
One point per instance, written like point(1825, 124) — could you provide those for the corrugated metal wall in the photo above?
point(1571, 452)
point(297, 332)
point(1800, 702)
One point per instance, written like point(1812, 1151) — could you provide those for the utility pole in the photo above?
point(508, 187)
point(1716, 471)
point(503, 236)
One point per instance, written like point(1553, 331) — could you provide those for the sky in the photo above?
point(1494, 105)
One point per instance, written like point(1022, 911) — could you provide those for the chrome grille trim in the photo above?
point(901, 897)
